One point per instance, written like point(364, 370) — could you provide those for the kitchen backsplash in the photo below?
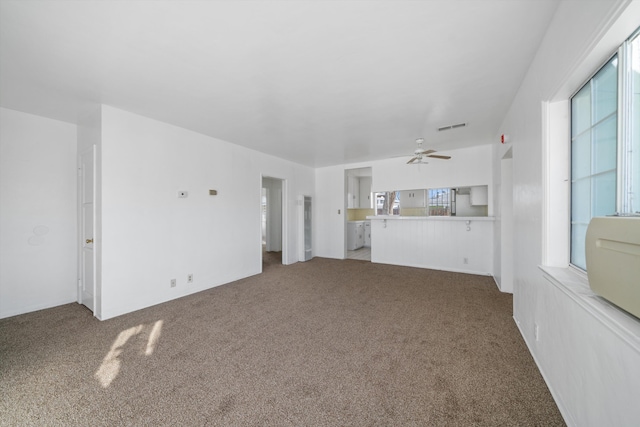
point(413, 211)
point(359, 214)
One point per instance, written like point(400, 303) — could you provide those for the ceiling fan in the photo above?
point(420, 154)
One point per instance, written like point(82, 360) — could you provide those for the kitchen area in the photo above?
point(439, 228)
point(360, 205)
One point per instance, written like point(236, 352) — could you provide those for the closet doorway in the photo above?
point(273, 242)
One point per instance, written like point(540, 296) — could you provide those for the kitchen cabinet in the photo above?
point(367, 234)
point(479, 196)
point(353, 192)
point(355, 235)
point(365, 199)
point(412, 198)
point(359, 193)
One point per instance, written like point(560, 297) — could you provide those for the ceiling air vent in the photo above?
point(459, 125)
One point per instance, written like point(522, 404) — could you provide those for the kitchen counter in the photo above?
point(431, 218)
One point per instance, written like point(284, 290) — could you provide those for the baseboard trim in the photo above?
point(435, 267)
point(496, 282)
point(38, 307)
point(566, 414)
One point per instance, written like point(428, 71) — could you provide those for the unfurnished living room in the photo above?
point(320, 213)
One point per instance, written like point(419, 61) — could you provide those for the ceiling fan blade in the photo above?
point(436, 156)
point(412, 160)
point(426, 151)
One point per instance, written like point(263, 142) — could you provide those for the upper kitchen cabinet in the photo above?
point(353, 192)
point(365, 199)
point(479, 196)
point(412, 198)
point(359, 188)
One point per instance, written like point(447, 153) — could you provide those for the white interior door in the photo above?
point(308, 244)
point(87, 280)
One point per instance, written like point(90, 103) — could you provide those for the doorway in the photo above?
point(272, 241)
point(506, 225)
point(305, 228)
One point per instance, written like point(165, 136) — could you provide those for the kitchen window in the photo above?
point(388, 203)
point(440, 201)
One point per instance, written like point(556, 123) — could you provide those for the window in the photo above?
point(605, 145)
point(388, 203)
point(439, 201)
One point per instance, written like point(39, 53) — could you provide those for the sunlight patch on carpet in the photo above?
point(110, 367)
point(153, 338)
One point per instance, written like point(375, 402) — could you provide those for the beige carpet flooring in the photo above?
point(321, 343)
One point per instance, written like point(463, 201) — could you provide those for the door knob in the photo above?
point(89, 241)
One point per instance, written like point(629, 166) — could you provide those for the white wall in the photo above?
point(440, 243)
point(150, 236)
point(467, 167)
point(592, 372)
point(38, 255)
point(145, 235)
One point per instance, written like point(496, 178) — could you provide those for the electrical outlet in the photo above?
point(173, 283)
point(465, 260)
point(190, 278)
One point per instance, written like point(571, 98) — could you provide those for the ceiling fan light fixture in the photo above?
point(420, 154)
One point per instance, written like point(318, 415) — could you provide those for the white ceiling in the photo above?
point(316, 82)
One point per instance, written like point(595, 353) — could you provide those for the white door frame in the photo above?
point(506, 223)
point(82, 245)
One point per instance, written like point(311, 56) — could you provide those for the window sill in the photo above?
point(576, 287)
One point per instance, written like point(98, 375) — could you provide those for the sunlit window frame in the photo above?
point(626, 165)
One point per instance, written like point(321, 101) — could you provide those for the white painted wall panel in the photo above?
point(150, 236)
point(467, 167)
point(436, 243)
point(38, 255)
